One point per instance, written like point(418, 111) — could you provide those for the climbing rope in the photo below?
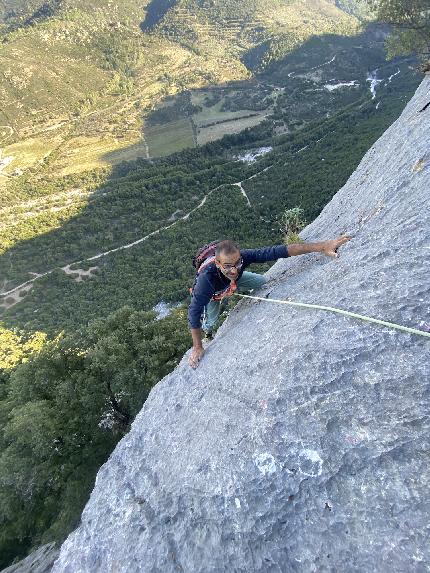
point(340, 311)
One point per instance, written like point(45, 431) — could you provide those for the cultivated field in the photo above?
point(169, 137)
point(216, 131)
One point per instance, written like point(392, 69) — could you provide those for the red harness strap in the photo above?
point(228, 291)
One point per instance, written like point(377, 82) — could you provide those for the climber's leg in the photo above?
point(211, 314)
point(250, 281)
point(212, 311)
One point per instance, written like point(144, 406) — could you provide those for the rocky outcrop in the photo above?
point(301, 443)
point(40, 561)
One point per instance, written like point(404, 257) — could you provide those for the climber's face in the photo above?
point(229, 265)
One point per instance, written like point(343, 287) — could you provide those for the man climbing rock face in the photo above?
point(220, 275)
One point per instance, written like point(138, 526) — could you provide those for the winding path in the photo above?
point(5, 136)
point(66, 268)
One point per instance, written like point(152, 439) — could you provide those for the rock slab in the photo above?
point(301, 443)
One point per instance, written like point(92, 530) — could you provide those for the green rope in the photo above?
point(340, 311)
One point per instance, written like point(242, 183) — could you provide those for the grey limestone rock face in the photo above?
point(302, 441)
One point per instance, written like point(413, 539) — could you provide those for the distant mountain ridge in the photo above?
point(241, 25)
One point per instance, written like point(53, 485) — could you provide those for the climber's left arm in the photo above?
point(275, 252)
point(328, 248)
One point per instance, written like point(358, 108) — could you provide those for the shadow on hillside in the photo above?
point(155, 11)
point(142, 196)
point(290, 89)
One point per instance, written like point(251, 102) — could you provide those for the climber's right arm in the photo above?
point(197, 350)
point(202, 293)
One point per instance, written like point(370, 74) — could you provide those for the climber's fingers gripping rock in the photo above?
point(330, 248)
point(195, 357)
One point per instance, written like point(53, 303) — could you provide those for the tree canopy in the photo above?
point(410, 20)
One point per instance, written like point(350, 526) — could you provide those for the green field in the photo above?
point(170, 137)
point(218, 130)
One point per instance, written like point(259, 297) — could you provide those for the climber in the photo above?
point(222, 272)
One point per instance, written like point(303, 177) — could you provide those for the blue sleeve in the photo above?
point(202, 293)
point(265, 254)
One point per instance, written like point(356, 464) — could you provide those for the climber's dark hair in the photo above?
point(226, 248)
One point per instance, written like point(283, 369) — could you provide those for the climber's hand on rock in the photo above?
point(330, 247)
point(195, 356)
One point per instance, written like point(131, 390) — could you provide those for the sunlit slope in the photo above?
point(78, 78)
point(239, 26)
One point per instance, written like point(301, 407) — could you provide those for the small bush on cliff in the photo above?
point(292, 222)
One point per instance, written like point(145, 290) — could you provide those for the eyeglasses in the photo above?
point(237, 265)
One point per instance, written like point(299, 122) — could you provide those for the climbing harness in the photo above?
point(340, 311)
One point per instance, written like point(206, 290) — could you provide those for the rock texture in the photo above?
point(302, 441)
point(40, 561)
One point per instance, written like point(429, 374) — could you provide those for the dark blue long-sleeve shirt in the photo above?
point(211, 280)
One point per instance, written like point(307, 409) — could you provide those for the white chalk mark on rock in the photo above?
point(265, 463)
point(310, 463)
